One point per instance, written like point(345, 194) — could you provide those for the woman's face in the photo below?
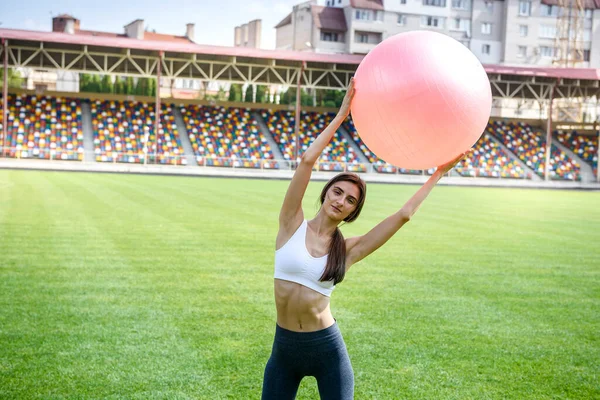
point(341, 200)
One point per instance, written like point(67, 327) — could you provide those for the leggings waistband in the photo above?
point(322, 336)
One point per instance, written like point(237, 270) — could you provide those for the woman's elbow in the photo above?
point(403, 217)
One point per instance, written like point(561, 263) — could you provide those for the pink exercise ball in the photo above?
point(422, 98)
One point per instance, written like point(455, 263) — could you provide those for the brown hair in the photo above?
point(335, 269)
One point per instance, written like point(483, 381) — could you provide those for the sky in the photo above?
point(215, 19)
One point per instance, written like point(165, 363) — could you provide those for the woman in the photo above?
point(312, 257)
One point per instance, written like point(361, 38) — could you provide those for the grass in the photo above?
point(149, 287)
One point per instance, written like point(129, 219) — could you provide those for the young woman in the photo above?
point(312, 257)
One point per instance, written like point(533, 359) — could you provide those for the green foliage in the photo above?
point(306, 99)
point(129, 85)
point(248, 97)
point(106, 85)
point(93, 83)
point(235, 92)
point(261, 92)
point(119, 86)
point(286, 97)
point(14, 79)
point(152, 87)
point(331, 98)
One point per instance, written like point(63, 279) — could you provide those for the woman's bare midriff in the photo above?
point(300, 308)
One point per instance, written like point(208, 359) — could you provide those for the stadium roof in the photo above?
point(191, 48)
point(147, 36)
point(132, 57)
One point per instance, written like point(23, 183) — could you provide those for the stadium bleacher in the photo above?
point(584, 146)
point(43, 127)
point(227, 137)
point(48, 127)
point(120, 129)
point(530, 146)
point(337, 156)
point(489, 160)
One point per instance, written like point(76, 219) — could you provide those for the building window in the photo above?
point(378, 15)
point(523, 30)
point(330, 36)
point(588, 13)
point(361, 38)
point(489, 6)
point(461, 24)
point(367, 37)
point(586, 55)
point(547, 51)
point(522, 51)
point(435, 3)
point(485, 49)
point(547, 31)
point(486, 28)
point(461, 4)
point(432, 22)
point(549, 11)
point(524, 8)
point(401, 19)
point(587, 35)
point(363, 15)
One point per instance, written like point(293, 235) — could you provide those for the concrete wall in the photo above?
point(595, 45)
point(283, 37)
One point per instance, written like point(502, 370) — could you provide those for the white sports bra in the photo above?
point(294, 263)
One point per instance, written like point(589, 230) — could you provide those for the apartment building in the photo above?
point(510, 32)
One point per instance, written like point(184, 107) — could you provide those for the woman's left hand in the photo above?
point(444, 168)
point(345, 107)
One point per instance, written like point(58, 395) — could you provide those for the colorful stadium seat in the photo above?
point(530, 147)
point(227, 137)
point(337, 156)
point(585, 146)
point(120, 129)
point(43, 127)
point(491, 161)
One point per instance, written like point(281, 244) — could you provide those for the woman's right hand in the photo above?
point(345, 107)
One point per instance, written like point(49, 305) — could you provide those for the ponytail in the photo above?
point(335, 269)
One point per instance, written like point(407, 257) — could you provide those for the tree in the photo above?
point(152, 87)
point(140, 89)
point(334, 97)
point(235, 93)
point(95, 84)
point(106, 85)
point(119, 86)
point(129, 85)
point(221, 95)
point(84, 82)
point(14, 78)
point(285, 97)
point(261, 90)
point(248, 97)
point(305, 98)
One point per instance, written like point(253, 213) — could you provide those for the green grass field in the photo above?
point(150, 287)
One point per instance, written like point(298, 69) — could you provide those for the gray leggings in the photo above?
point(321, 354)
